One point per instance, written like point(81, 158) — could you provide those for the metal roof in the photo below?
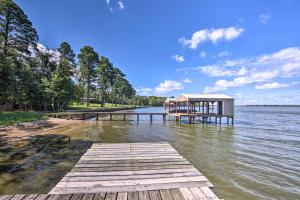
point(204, 97)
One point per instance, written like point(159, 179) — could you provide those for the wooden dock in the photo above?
point(168, 194)
point(85, 115)
point(203, 117)
point(133, 170)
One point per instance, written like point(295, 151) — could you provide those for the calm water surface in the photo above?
point(257, 158)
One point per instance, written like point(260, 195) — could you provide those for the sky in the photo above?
point(248, 49)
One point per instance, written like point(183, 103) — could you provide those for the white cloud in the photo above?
point(217, 70)
point(53, 53)
point(178, 58)
point(223, 54)
point(212, 35)
point(187, 80)
point(283, 63)
point(168, 86)
point(264, 18)
point(115, 5)
point(121, 5)
point(274, 85)
point(256, 77)
point(145, 91)
point(202, 54)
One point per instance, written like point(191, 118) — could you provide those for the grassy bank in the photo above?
point(10, 118)
point(75, 106)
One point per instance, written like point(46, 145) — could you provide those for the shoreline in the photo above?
point(40, 127)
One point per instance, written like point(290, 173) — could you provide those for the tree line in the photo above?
point(35, 79)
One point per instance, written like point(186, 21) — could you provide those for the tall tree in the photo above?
point(17, 36)
point(105, 76)
point(88, 60)
point(16, 31)
point(66, 60)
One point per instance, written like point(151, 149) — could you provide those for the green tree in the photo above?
point(105, 77)
point(16, 31)
point(66, 60)
point(88, 60)
point(17, 36)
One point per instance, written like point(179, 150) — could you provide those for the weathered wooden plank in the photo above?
point(6, 197)
point(148, 176)
point(166, 195)
point(18, 197)
point(134, 165)
point(154, 195)
point(137, 164)
point(99, 196)
point(140, 172)
point(144, 195)
point(187, 194)
point(127, 188)
point(176, 194)
point(131, 144)
point(129, 168)
point(122, 196)
point(30, 197)
point(65, 197)
point(133, 195)
point(77, 196)
point(88, 196)
point(117, 156)
point(53, 197)
point(132, 182)
point(128, 158)
point(197, 193)
point(131, 153)
point(130, 161)
point(111, 196)
point(42, 197)
point(208, 193)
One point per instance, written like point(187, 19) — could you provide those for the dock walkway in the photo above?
point(125, 169)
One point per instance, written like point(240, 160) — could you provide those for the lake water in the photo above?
point(257, 158)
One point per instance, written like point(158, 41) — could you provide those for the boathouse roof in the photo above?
point(203, 97)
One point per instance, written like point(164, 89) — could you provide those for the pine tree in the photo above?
point(88, 60)
point(16, 31)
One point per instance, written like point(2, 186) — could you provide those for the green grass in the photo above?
point(75, 106)
point(10, 118)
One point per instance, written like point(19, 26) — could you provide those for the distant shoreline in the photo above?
point(270, 105)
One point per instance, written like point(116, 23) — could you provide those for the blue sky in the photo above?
point(248, 49)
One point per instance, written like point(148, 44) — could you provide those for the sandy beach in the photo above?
point(26, 129)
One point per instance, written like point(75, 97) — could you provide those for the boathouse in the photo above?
point(201, 105)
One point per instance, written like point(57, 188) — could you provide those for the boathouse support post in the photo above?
point(137, 117)
point(124, 117)
point(97, 117)
point(110, 117)
point(151, 117)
